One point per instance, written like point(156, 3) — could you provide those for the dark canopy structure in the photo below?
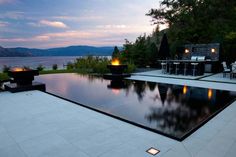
point(164, 50)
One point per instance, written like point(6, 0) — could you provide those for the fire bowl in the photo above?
point(22, 76)
point(117, 69)
point(115, 77)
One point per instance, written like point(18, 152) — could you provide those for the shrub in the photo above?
point(70, 66)
point(3, 76)
point(101, 67)
point(54, 67)
point(131, 68)
point(6, 68)
point(40, 67)
point(26, 67)
point(92, 64)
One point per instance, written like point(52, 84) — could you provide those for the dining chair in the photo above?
point(225, 69)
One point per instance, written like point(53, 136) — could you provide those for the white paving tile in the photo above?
point(231, 151)
point(50, 145)
point(219, 145)
point(5, 139)
point(219, 78)
point(12, 151)
point(194, 145)
point(194, 83)
point(66, 129)
point(126, 150)
point(177, 150)
point(99, 143)
point(24, 129)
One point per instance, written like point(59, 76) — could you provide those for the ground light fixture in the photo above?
point(153, 151)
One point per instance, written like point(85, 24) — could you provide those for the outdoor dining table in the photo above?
point(185, 63)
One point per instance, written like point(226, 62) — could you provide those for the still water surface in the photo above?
point(172, 110)
point(34, 62)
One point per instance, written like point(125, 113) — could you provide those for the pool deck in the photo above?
point(36, 124)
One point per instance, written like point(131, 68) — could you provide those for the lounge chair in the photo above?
point(225, 69)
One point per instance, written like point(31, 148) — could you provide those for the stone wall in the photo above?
point(210, 51)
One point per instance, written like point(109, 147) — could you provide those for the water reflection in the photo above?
point(117, 84)
point(182, 111)
point(152, 85)
point(170, 109)
point(140, 89)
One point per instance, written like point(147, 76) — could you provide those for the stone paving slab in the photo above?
point(187, 82)
point(36, 124)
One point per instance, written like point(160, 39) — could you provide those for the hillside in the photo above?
point(62, 51)
point(5, 52)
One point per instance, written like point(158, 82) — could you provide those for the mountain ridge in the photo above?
point(75, 50)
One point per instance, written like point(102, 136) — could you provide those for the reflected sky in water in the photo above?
point(170, 109)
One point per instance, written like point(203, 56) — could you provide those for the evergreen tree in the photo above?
point(116, 52)
point(164, 51)
point(154, 54)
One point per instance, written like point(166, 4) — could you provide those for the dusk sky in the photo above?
point(59, 23)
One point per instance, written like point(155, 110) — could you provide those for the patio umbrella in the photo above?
point(164, 50)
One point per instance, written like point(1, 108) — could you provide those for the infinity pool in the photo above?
point(172, 110)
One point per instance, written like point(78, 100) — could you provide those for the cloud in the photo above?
point(67, 35)
point(56, 24)
point(13, 40)
point(41, 38)
point(3, 24)
point(16, 15)
point(100, 35)
point(34, 24)
point(6, 1)
point(76, 34)
point(112, 26)
point(79, 18)
point(125, 29)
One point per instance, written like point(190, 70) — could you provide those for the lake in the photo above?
point(34, 62)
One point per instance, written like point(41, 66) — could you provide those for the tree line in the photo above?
point(190, 22)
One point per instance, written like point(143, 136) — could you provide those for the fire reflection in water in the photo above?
point(185, 89)
point(209, 94)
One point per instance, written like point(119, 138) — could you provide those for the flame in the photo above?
point(209, 94)
point(115, 62)
point(185, 89)
point(17, 69)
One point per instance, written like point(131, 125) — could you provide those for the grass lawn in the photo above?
point(3, 76)
point(57, 71)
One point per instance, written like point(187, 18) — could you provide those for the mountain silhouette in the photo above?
point(61, 51)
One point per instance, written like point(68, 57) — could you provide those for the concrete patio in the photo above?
point(36, 124)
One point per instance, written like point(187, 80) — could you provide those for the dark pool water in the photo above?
point(172, 110)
